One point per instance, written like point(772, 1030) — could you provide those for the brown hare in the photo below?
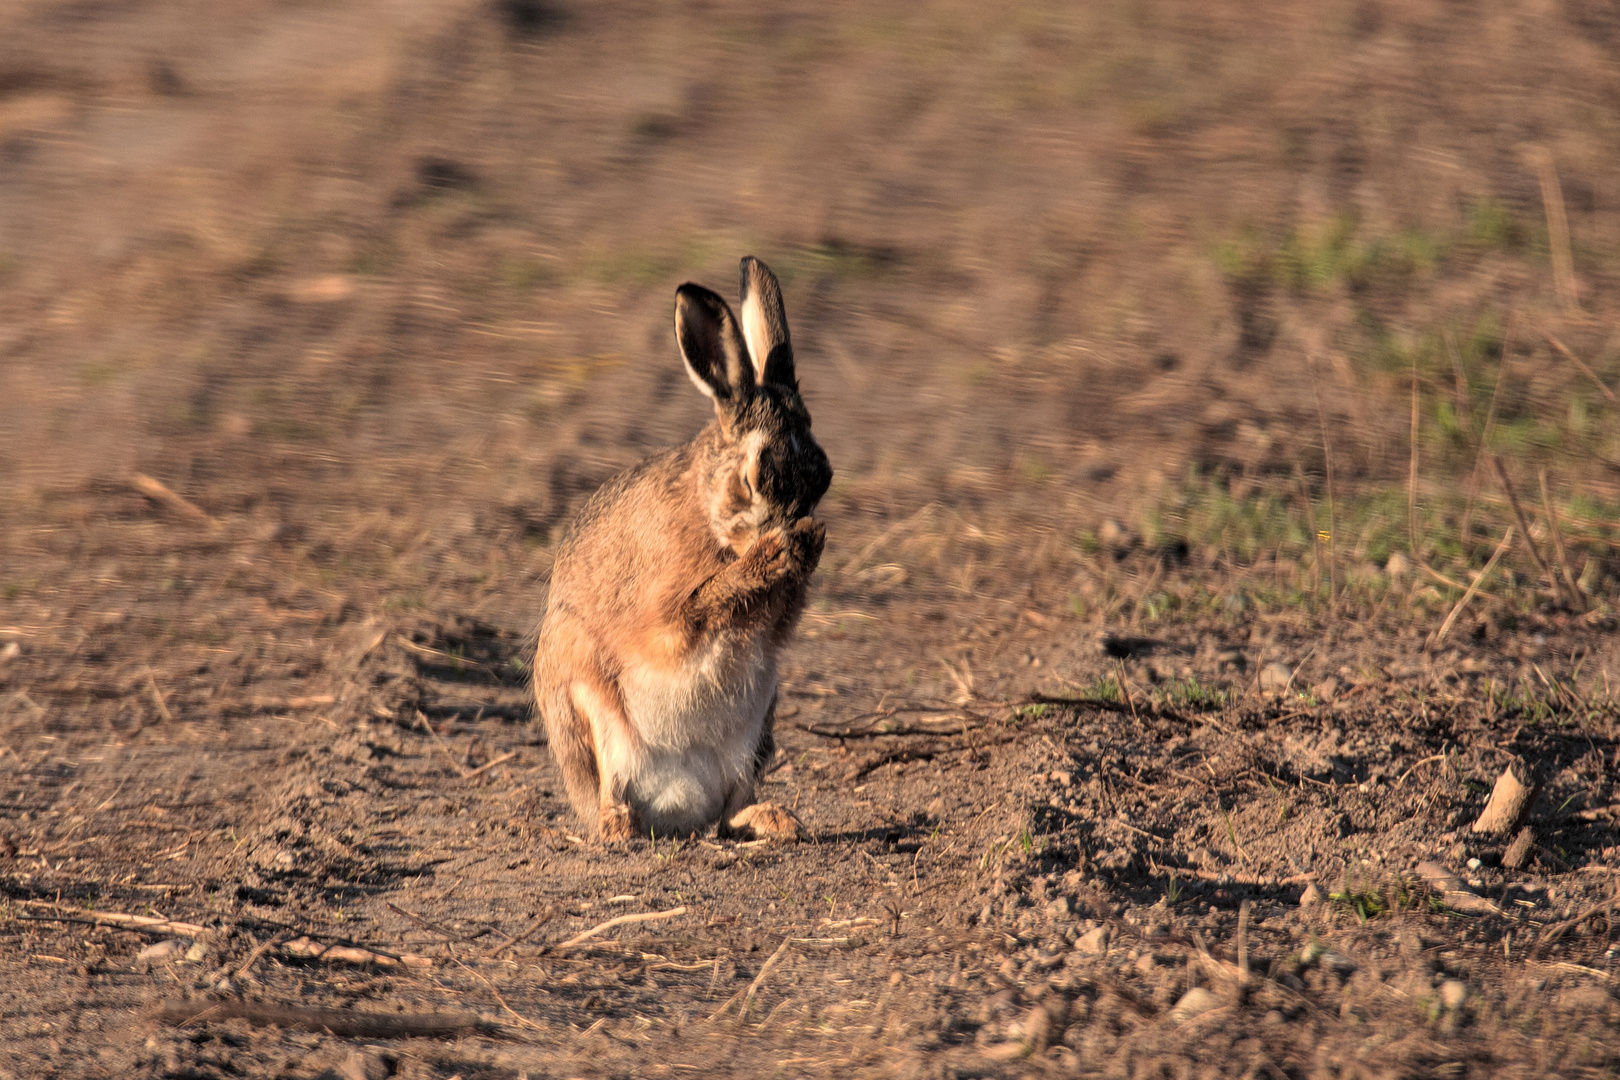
point(676, 586)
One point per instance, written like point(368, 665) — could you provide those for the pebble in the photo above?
point(1194, 1002)
point(1453, 992)
point(1311, 896)
point(1275, 676)
point(1094, 942)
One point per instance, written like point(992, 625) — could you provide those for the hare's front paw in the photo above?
point(616, 823)
point(771, 556)
point(805, 541)
point(764, 821)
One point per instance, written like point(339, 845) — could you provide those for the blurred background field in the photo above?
point(1158, 268)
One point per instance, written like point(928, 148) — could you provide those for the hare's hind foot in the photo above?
point(763, 821)
point(616, 823)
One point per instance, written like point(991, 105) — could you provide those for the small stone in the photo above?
point(1146, 963)
point(1398, 566)
point(1311, 896)
point(1326, 690)
point(1194, 1002)
point(197, 953)
point(1474, 864)
point(1453, 992)
point(1273, 1018)
point(160, 952)
point(363, 1065)
point(1094, 942)
point(1111, 534)
point(1275, 676)
point(985, 914)
point(1059, 908)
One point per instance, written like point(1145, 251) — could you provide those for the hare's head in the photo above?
point(765, 468)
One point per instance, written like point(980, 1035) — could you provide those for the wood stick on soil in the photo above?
point(534, 928)
point(1588, 372)
point(1453, 892)
point(1552, 202)
point(421, 719)
point(1558, 541)
point(1508, 805)
point(160, 492)
point(157, 697)
point(146, 924)
point(1327, 466)
point(346, 1023)
point(486, 766)
point(1468, 594)
point(1485, 436)
point(764, 970)
point(304, 949)
point(622, 920)
point(1412, 473)
point(1524, 524)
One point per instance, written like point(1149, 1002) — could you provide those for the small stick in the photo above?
point(1412, 473)
point(1485, 434)
point(157, 696)
point(426, 924)
point(253, 957)
point(305, 949)
point(1524, 523)
point(1552, 201)
point(144, 923)
point(1243, 941)
point(1327, 463)
point(160, 492)
point(524, 1020)
point(1556, 931)
point(421, 718)
point(1557, 537)
point(503, 759)
point(753, 987)
point(645, 916)
point(1588, 372)
point(525, 936)
point(1445, 627)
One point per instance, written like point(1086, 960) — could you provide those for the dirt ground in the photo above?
point(1125, 745)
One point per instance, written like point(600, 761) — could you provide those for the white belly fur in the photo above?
point(699, 726)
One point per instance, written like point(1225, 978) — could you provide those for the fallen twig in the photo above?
point(621, 920)
point(422, 720)
point(764, 969)
point(525, 936)
point(524, 1020)
point(146, 924)
point(486, 766)
point(160, 492)
point(1588, 372)
point(341, 1022)
point(304, 949)
point(1501, 548)
point(1453, 892)
point(1557, 930)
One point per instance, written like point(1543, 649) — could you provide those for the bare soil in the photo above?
point(379, 292)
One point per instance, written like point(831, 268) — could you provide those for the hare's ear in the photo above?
point(712, 346)
point(764, 324)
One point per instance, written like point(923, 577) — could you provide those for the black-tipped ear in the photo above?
point(764, 325)
point(712, 346)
